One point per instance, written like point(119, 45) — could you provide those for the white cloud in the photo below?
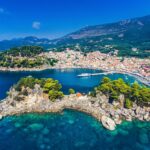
point(36, 25)
point(2, 10)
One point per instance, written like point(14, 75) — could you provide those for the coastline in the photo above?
point(140, 78)
point(98, 107)
point(33, 105)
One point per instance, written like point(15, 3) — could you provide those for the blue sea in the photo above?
point(69, 130)
point(68, 78)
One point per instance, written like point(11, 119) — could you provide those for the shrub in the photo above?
point(71, 91)
point(53, 95)
point(128, 103)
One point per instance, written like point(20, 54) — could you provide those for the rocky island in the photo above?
point(111, 102)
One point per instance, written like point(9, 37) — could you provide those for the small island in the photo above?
point(111, 102)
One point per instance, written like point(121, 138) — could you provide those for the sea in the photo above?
point(69, 130)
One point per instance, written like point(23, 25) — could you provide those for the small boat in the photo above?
point(84, 75)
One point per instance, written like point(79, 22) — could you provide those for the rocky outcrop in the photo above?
point(98, 107)
point(108, 123)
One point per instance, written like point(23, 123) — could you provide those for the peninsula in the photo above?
point(111, 102)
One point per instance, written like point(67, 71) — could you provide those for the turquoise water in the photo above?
point(70, 130)
point(68, 78)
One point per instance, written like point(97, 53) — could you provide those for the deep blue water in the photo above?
point(68, 78)
point(70, 130)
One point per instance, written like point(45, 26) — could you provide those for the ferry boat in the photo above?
point(84, 75)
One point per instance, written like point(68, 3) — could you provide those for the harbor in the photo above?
point(140, 78)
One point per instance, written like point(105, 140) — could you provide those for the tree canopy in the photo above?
point(132, 93)
point(49, 86)
point(71, 91)
point(25, 57)
point(28, 51)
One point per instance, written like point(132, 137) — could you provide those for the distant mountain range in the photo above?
point(31, 40)
point(128, 37)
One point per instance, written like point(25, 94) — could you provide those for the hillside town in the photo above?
point(98, 60)
point(139, 68)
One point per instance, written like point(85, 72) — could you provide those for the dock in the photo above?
point(140, 78)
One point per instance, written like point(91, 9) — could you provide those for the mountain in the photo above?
point(121, 27)
point(31, 40)
point(129, 37)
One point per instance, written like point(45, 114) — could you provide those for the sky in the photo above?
point(55, 18)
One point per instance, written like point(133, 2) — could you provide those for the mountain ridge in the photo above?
point(130, 37)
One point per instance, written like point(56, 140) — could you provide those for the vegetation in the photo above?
point(132, 93)
point(126, 47)
point(128, 103)
point(24, 51)
point(49, 86)
point(111, 88)
point(93, 93)
point(25, 57)
point(129, 39)
point(71, 91)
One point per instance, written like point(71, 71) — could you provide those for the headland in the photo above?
point(97, 105)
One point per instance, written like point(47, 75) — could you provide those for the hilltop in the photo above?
point(127, 38)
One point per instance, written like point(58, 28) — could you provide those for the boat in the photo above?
point(84, 75)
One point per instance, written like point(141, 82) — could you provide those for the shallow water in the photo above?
point(70, 130)
point(68, 78)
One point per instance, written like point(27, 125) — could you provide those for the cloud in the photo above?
point(2, 10)
point(36, 25)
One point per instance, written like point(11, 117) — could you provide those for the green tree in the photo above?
point(144, 96)
point(105, 80)
point(128, 103)
point(71, 91)
point(114, 95)
point(51, 84)
point(53, 95)
point(133, 93)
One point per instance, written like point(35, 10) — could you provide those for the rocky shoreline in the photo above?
point(108, 114)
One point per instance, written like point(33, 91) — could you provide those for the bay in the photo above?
point(67, 77)
point(70, 130)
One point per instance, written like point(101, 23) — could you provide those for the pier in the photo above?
point(140, 78)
